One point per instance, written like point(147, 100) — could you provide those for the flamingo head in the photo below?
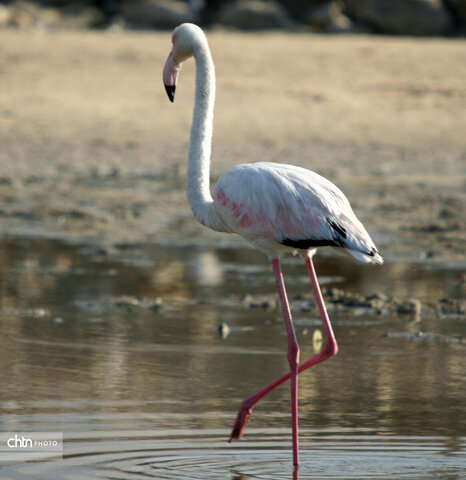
point(185, 37)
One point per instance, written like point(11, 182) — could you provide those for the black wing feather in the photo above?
point(338, 239)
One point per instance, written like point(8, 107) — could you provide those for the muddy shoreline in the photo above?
point(114, 210)
point(93, 153)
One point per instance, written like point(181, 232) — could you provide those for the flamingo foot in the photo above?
point(242, 421)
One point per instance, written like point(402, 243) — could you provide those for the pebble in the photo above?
point(425, 337)
point(448, 306)
point(337, 301)
point(259, 301)
point(124, 301)
point(411, 306)
point(224, 330)
point(341, 301)
point(31, 312)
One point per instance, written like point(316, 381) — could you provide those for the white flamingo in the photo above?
point(275, 207)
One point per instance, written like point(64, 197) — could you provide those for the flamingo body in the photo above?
point(278, 207)
point(275, 207)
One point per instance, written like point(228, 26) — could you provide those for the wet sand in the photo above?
point(92, 151)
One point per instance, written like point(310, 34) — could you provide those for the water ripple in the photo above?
point(205, 455)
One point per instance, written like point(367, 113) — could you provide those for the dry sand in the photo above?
point(92, 149)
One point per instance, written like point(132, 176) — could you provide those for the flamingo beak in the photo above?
point(170, 89)
point(170, 76)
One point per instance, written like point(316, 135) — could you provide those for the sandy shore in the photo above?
point(92, 149)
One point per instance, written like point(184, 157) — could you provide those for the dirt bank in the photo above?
point(92, 149)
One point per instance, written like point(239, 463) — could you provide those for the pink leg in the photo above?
point(292, 355)
point(330, 349)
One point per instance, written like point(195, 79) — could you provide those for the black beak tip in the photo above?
point(170, 89)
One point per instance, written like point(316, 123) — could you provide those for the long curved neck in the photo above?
point(198, 173)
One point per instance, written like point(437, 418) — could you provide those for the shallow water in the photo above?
point(149, 389)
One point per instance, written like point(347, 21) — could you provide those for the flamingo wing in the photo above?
point(275, 206)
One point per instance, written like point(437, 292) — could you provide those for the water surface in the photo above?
point(122, 354)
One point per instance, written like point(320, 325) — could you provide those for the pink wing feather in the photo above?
point(274, 206)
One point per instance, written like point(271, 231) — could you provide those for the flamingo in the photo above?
point(275, 207)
